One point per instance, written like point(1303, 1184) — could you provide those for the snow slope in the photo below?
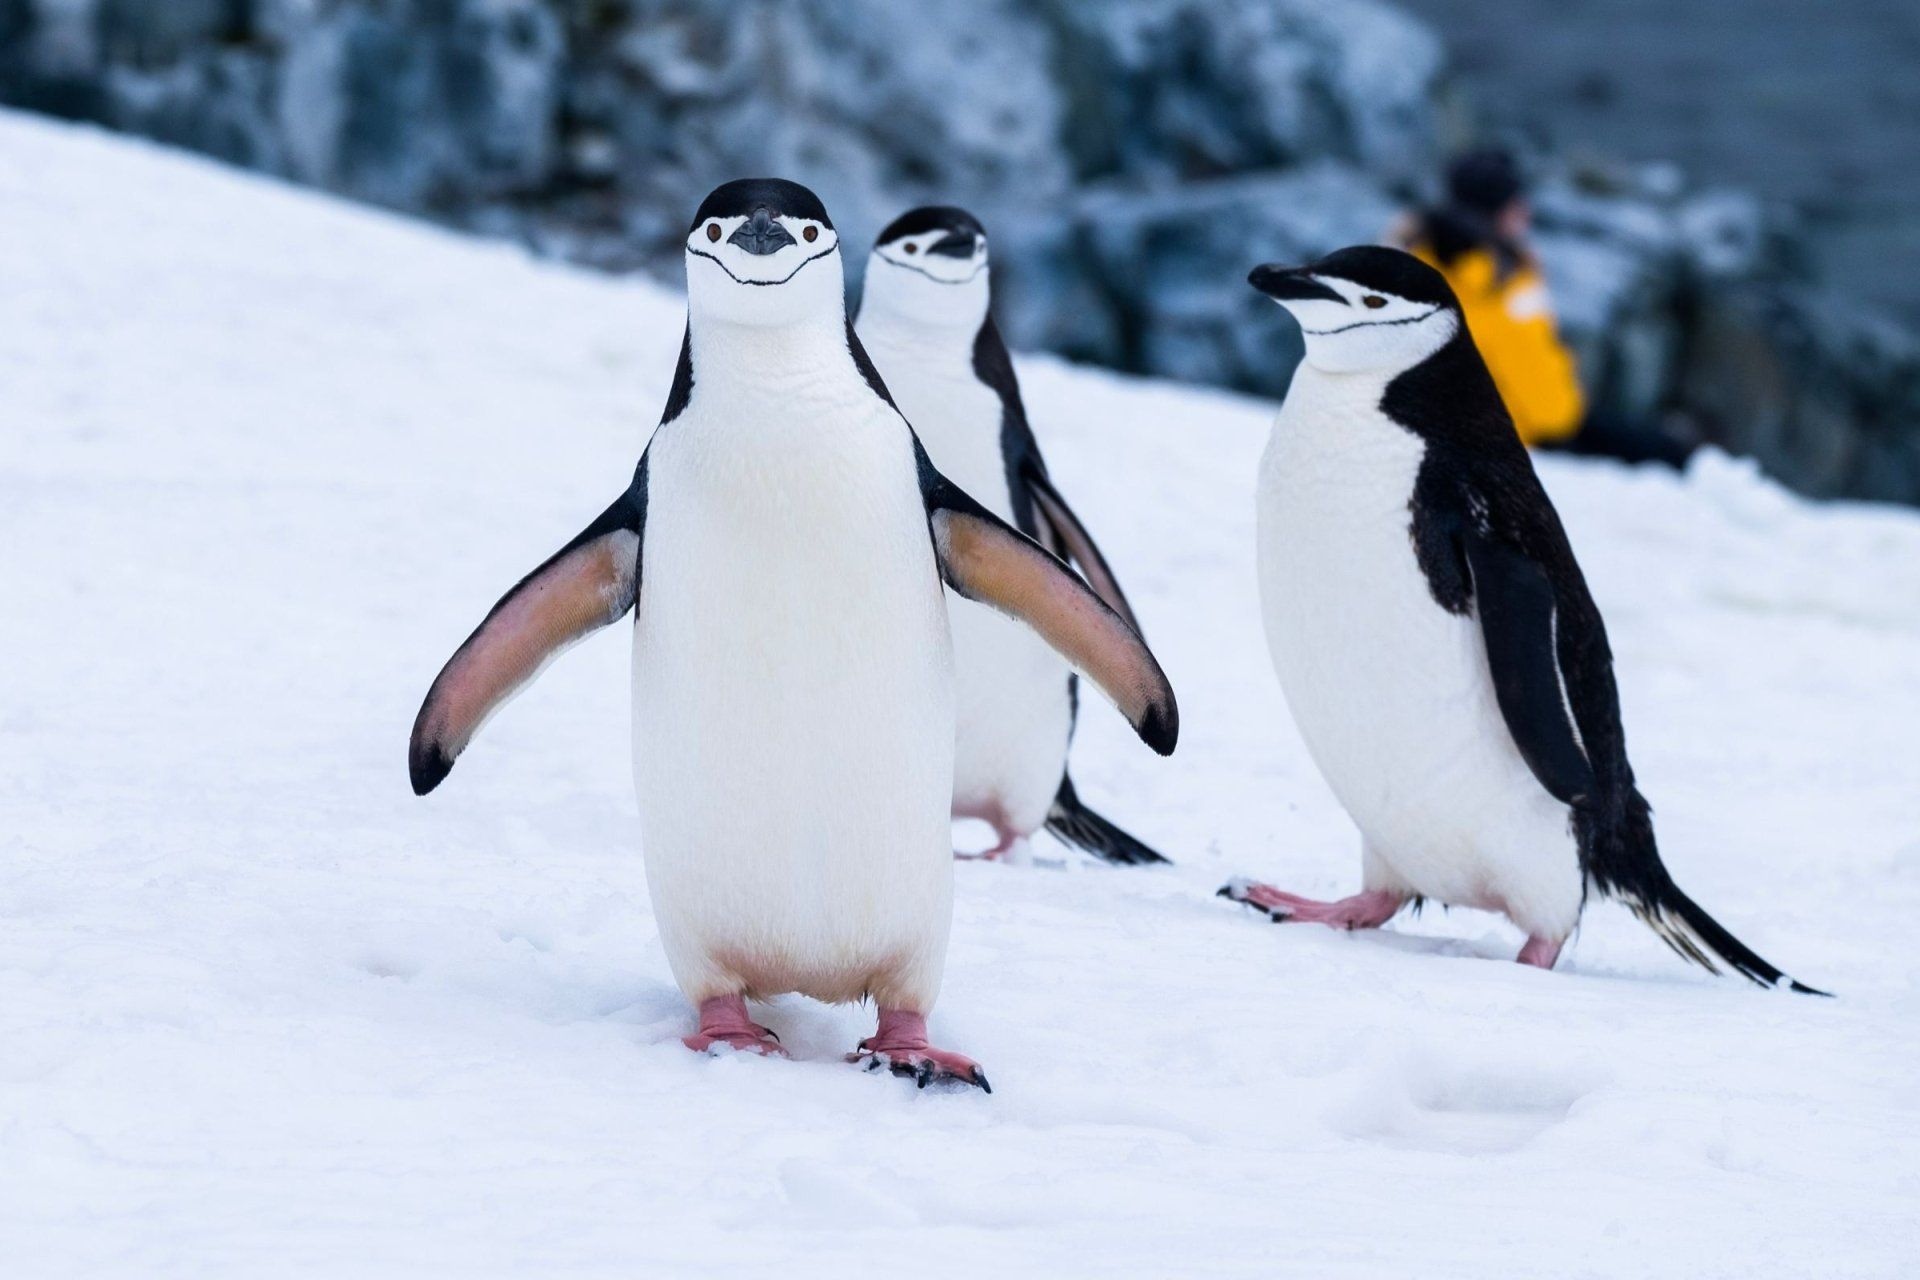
point(262, 1013)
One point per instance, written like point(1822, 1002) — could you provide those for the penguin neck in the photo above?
point(902, 310)
point(801, 353)
point(941, 344)
point(1355, 386)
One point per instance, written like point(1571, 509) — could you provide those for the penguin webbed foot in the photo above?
point(924, 1070)
point(900, 1046)
point(724, 1023)
point(1539, 952)
point(1239, 891)
point(1017, 852)
point(1368, 909)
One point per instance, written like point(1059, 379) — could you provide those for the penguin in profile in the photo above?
point(1435, 638)
point(784, 544)
point(925, 316)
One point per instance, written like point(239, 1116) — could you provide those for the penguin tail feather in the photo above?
point(1622, 861)
point(1073, 822)
point(1684, 925)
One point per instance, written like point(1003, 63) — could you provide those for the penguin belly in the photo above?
point(793, 711)
point(1013, 712)
point(1392, 694)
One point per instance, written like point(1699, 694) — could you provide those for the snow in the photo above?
point(268, 457)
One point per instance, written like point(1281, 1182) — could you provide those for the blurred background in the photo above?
point(1726, 193)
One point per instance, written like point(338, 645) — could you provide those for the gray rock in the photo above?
point(875, 106)
point(140, 33)
point(1180, 89)
point(1133, 159)
point(1160, 278)
point(378, 102)
point(1808, 388)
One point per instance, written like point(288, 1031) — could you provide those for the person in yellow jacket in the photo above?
point(1477, 239)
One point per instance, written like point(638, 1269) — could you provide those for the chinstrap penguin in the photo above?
point(1434, 636)
point(784, 544)
point(926, 318)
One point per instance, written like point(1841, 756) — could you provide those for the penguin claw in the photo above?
point(724, 1025)
point(923, 1069)
point(900, 1045)
point(1238, 891)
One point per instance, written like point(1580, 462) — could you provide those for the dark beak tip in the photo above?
point(760, 234)
point(1290, 284)
point(955, 244)
point(1267, 275)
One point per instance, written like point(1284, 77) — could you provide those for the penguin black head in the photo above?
point(1365, 309)
point(930, 265)
point(763, 251)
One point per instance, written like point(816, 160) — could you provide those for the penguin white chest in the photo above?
point(1013, 712)
point(1391, 692)
point(793, 717)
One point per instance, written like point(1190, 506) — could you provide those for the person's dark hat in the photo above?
point(1485, 181)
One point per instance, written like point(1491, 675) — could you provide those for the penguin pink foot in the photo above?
point(1368, 910)
point(994, 816)
point(900, 1045)
point(1006, 851)
point(723, 1020)
point(1540, 953)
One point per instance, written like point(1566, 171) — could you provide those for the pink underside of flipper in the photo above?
point(724, 1020)
point(1368, 910)
point(900, 1045)
point(1540, 953)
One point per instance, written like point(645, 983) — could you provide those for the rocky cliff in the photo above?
point(1133, 159)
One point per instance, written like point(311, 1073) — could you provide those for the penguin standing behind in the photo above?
point(925, 317)
point(783, 543)
point(1436, 641)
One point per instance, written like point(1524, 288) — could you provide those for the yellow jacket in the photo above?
point(1511, 321)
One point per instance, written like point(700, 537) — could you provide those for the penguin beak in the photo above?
point(1290, 284)
point(955, 244)
point(760, 234)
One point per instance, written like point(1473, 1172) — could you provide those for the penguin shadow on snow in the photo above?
point(1399, 933)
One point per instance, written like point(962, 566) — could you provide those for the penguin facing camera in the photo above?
point(926, 318)
point(783, 545)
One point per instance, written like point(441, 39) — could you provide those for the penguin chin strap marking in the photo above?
point(1371, 324)
point(922, 271)
point(699, 253)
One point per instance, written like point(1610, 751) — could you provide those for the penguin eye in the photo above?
point(810, 234)
point(911, 247)
point(1373, 302)
point(713, 231)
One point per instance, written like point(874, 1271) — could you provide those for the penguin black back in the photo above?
point(1488, 541)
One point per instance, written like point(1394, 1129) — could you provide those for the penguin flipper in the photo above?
point(985, 559)
point(1514, 601)
point(587, 584)
point(1078, 545)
